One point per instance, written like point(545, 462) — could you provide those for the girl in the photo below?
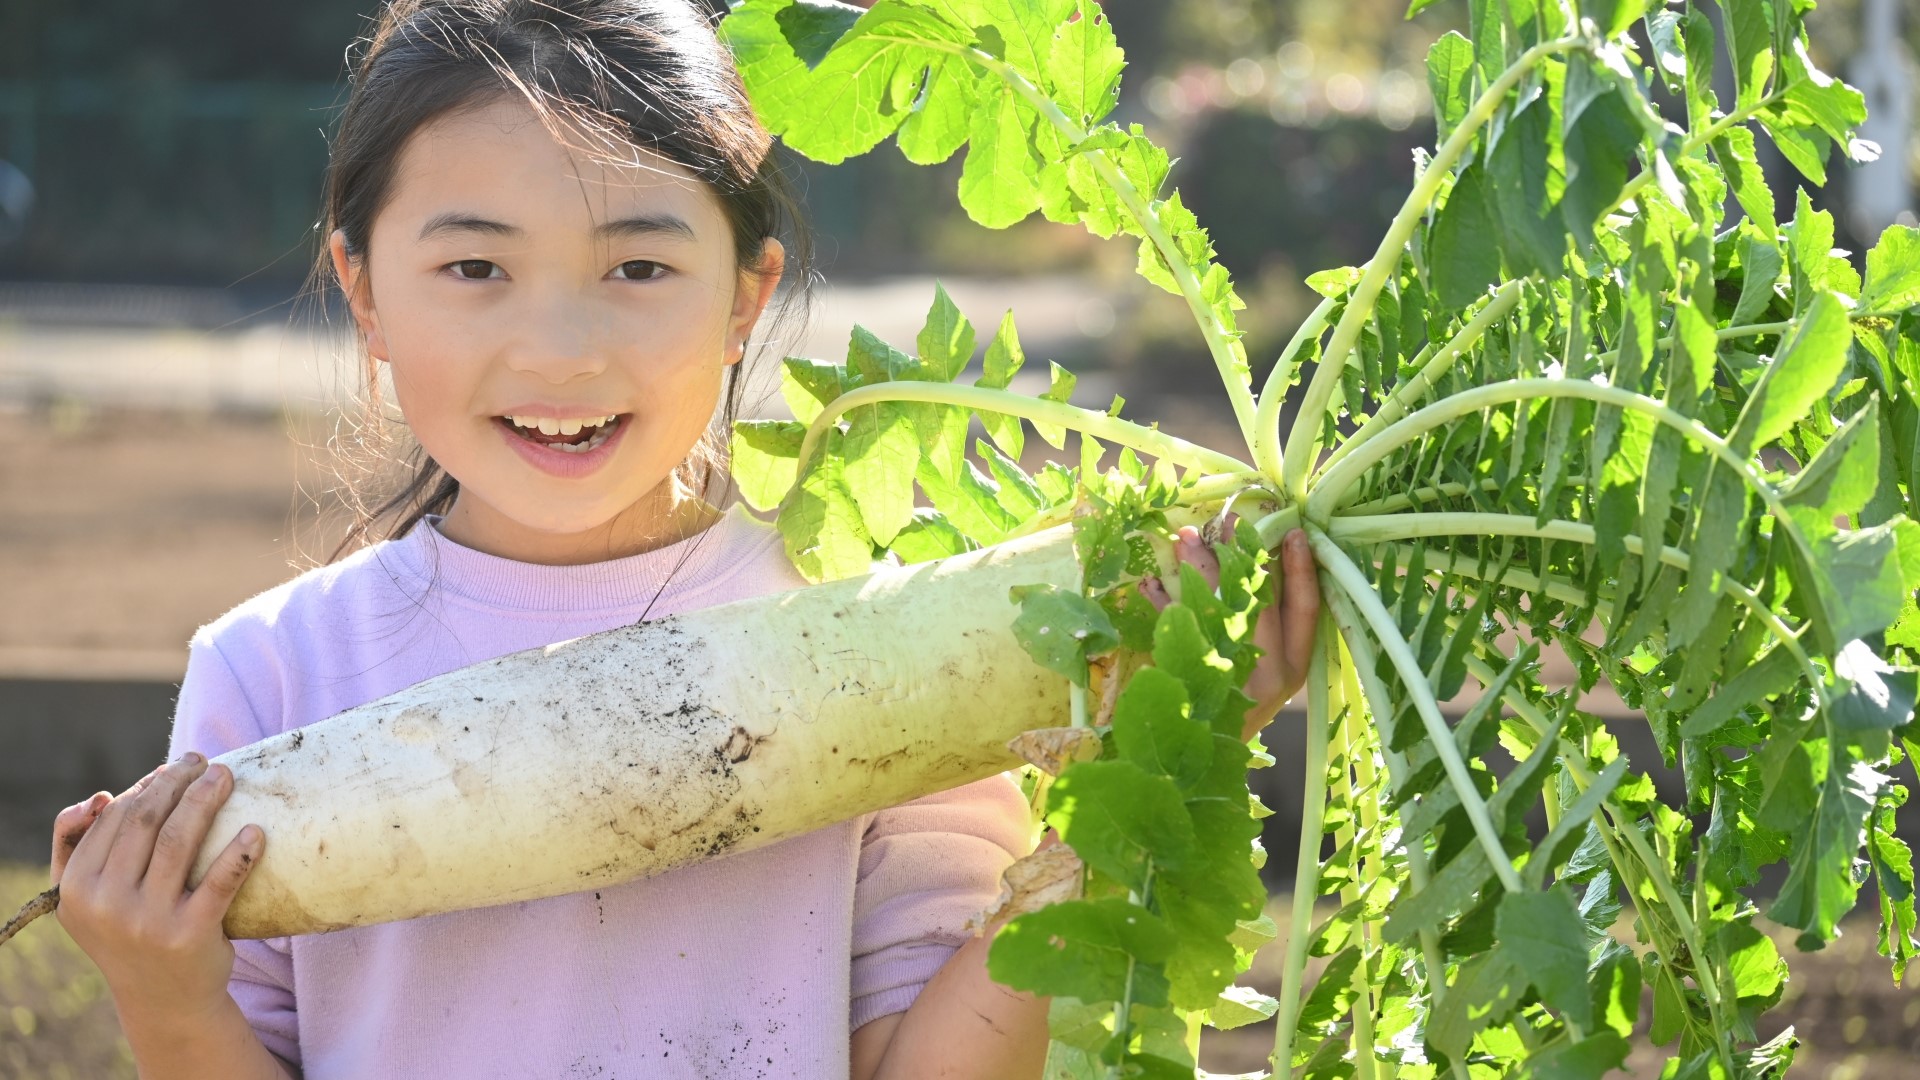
point(555, 221)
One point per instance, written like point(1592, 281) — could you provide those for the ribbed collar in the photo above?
point(612, 585)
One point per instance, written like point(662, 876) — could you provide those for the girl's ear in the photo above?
point(359, 298)
point(751, 296)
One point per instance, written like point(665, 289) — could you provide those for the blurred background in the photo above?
point(175, 397)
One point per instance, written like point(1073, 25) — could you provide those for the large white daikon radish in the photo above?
point(636, 750)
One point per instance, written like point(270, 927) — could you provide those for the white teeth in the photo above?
point(561, 427)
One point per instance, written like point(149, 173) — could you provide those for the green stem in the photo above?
point(1337, 480)
point(1401, 500)
point(1353, 581)
point(1356, 775)
point(1413, 389)
point(1303, 440)
point(1111, 428)
point(1552, 585)
point(1362, 666)
point(1273, 393)
point(1306, 873)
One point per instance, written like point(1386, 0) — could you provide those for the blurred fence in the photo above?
point(158, 180)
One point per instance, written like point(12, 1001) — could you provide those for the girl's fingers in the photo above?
point(208, 902)
point(186, 827)
point(1299, 605)
point(133, 845)
point(69, 828)
point(1197, 553)
point(1155, 592)
point(91, 853)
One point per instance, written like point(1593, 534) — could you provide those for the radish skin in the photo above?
point(633, 751)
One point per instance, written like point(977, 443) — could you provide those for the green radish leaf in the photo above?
point(1465, 250)
point(1773, 674)
point(809, 385)
point(1017, 493)
point(1616, 989)
point(1591, 1058)
point(1819, 100)
point(1815, 268)
point(1874, 695)
point(969, 500)
point(1489, 986)
point(882, 451)
point(1697, 37)
point(1450, 78)
point(812, 27)
point(821, 525)
point(1892, 864)
point(1239, 1006)
point(1086, 66)
point(929, 536)
point(1060, 629)
point(1750, 46)
point(1153, 726)
point(858, 93)
point(1820, 885)
point(1761, 261)
point(1532, 235)
point(1810, 361)
point(1669, 51)
point(1082, 949)
point(765, 455)
point(1546, 932)
point(1060, 389)
point(1893, 271)
point(1000, 181)
point(1735, 152)
point(1756, 971)
point(1572, 826)
point(1116, 816)
point(946, 341)
point(1004, 358)
point(1598, 148)
point(940, 120)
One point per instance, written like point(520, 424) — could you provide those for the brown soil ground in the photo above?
point(122, 532)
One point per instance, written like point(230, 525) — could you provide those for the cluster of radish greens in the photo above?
point(1585, 395)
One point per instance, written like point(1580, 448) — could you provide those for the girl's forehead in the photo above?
point(503, 157)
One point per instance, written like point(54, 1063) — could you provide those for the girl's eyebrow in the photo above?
point(644, 225)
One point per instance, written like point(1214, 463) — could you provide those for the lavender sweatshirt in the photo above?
point(757, 964)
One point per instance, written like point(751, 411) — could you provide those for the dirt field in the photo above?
point(122, 532)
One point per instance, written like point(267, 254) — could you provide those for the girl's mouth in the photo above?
point(568, 456)
point(585, 439)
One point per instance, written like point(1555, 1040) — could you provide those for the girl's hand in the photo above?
point(1284, 630)
point(122, 865)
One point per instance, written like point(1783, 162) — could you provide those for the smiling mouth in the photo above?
point(579, 442)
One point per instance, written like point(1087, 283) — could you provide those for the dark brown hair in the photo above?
point(647, 74)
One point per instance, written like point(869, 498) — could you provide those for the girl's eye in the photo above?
point(640, 270)
point(474, 269)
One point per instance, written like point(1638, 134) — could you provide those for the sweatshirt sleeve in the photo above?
point(215, 715)
point(926, 867)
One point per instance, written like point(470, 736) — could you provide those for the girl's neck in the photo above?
point(646, 526)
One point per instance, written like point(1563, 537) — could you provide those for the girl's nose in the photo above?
point(554, 341)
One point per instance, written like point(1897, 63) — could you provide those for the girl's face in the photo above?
point(508, 276)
